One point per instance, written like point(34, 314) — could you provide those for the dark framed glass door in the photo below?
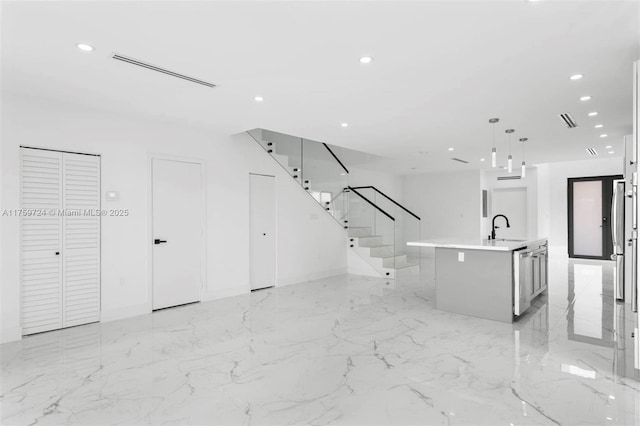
point(589, 216)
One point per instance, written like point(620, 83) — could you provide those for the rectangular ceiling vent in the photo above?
point(592, 151)
point(460, 161)
point(508, 177)
point(162, 70)
point(568, 120)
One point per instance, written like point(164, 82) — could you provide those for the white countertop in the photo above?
point(477, 243)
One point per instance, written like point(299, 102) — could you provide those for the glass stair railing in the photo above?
point(313, 165)
point(378, 227)
point(407, 224)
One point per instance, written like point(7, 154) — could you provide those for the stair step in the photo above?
point(381, 251)
point(360, 231)
point(394, 261)
point(370, 241)
point(406, 265)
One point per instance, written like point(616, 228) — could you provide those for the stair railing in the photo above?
point(362, 210)
point(372, 230)
point(408, 224)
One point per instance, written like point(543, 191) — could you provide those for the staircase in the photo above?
point(378, 227)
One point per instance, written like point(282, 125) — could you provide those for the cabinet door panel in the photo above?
point(543, 270)
point(536, 274)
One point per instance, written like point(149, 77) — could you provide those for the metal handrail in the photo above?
point(335, 157)
point(371, 202)
point(390, 199)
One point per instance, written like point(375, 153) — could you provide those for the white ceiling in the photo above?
point(440, 70)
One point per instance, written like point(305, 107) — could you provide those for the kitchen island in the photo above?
point(492, 279)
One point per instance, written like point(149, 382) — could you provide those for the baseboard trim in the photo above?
point(10, 334)
point(298, 279)
point(222, 293)
point(124, 312)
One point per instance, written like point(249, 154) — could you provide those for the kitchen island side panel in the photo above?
point(479, 286)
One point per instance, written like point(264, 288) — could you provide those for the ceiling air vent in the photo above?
point(460, 161)
point(592, 151)
point(158, 69)
point(508, 177)
point(568, 120)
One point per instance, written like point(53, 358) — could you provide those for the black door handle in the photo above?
point(57, 253)
point(157, 241)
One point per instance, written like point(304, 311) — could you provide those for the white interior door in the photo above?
point(60, 241)
point(41, 272)
point(177, 233)
point(511, 202)
point(262, 227)
point(81, 239)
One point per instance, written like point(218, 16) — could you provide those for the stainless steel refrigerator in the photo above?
point(618, 235)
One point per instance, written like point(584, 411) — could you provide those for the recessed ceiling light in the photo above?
point(598, 126)
point(258, 99)
point(604, 135)
point(450, 149)
point(608, 147)
point(611, 152)
point(344, 124)
point(482, 159)
point(585, 98)
point(85, 47)
point(576, 77)
point(592, 114)
point(366, 60)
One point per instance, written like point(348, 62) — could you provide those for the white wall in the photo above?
point(490, 183)
point(449, 204)
point(310, 243)
point(389, 183)
point(552, 194)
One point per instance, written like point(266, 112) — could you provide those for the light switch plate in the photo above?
point(460, 256)
point(111, 195)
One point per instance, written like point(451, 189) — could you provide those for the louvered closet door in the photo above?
point(81, 239)
point(41, 241)
point(60, 246)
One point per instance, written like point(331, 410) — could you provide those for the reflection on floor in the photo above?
point(346, 350)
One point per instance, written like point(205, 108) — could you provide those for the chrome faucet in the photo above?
point(493, 225)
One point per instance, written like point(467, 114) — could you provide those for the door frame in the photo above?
point(203, 220)
point(275, 227)
point(607, 194)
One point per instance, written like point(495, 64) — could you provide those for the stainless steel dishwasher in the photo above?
point(530, 275)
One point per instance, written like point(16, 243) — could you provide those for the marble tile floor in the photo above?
point(347, 350)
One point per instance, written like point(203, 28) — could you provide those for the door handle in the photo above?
point(158, 241)
point(57, 253)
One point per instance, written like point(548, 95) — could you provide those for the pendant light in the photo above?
point(510, 159)
point(523, 174)
point(494, 154)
